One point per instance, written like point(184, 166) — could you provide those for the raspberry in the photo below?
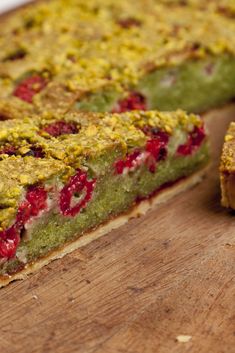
point(194, 140)
point(155, 151)
point(18, 54)
point(185, 149)
point(35, 151)
point(129, 22)
point(128, 163)
point(10, 150)
point(78, 184)
point(154, 132)
point(37, 197)
point(155, 146)
point(9, 240)
point(61, 128)
point(198, 136)
point(4, 116)
point(135, 101)
point(35, 201)
point(30, 86)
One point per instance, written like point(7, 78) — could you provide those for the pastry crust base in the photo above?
point(139, 209)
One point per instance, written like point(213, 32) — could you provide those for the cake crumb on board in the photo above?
point(183, 338)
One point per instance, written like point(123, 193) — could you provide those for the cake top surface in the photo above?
point(76, 136)
point(35, 150)
point(72, 47)
point(228, 154)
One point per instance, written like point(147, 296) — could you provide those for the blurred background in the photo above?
point(6, 5)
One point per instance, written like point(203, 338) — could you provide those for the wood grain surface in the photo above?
point(135, 290)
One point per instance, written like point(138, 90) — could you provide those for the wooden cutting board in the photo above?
point(138, 288)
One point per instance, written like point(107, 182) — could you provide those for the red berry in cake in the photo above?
point(59, 128)
point(23, 214)
point(156, 146)
point(154, 132)
point(194, 140)
point(128, 163)
point(155, 151)
point(35, 202)
point(76, 194)
point(198, 136)
point(185, 149)
point(35, 151)
point(129, 22)
point(153, 147)
point(9, 150)
point(37, 198)
point(9, 240)
point(135, 101)
point(30, 86)
point(17, 54)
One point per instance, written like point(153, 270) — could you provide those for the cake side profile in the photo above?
point(65, 181)
point(106, 55)
point(227, 169)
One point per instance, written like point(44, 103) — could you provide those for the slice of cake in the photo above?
point(109, 55)
point(227, 169)
point(65, 181)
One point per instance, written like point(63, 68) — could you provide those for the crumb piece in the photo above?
point(183, 338)
point(35, 297)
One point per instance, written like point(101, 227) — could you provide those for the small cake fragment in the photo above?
point(183, 338)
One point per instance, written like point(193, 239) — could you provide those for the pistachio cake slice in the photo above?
point(109, 55)
point(65, 181)
point(227, 169)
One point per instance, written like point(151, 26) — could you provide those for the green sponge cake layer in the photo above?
point(194, 86)
point(109, 55)
point(63, 177)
